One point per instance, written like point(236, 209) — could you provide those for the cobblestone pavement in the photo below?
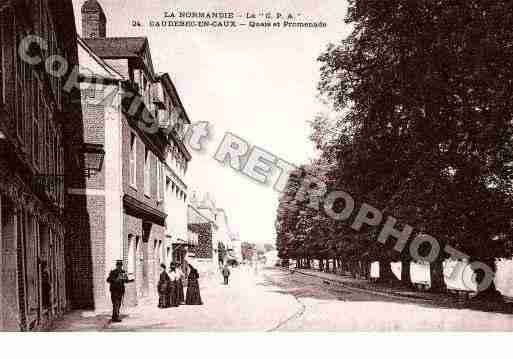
point(276, 300)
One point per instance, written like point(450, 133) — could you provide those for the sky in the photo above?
point(259, 84)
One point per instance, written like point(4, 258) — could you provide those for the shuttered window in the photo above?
point(147, 169)
point(133, 161)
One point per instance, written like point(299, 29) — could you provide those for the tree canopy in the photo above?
point(423, 89)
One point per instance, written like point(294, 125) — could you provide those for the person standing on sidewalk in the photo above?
point(163, 287)
point(173, 287)
point(193, 296)
point(179, 283)
point(46, 288)
point(226, 274)
point(117, 279)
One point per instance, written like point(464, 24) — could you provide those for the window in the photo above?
point(147, 168)
point(31, 263)
point(40, 147)
point(48, 144)
point(153, 174)
point(27, 109)
point(35, 143)
point(8, 57)
point(2, 61)
point(133, 160)
point(159, 180)
point(53, 156)
point(131, 256)
point(20, 95)
point(61, 172)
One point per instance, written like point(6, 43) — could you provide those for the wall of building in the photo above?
point(176, 208)
point(10, 319)
point(113, 165)
point(87, 216)
point(32, 163)
point(86, 251)
point(204, 249)
point(137, 192)
point(142, 241)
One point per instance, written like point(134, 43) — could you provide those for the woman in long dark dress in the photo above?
point(181, 277)
point(193, 296)
point(163, 287)
point(173, 287)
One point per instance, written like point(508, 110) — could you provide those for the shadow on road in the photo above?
point(302, 286)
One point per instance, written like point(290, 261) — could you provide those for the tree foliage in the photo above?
point(425, 133)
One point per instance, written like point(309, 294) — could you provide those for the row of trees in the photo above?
point(425, 130)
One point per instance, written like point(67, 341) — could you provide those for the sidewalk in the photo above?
point(367, 286)
point(249, 302)
point(382, 289)
point(100, 319)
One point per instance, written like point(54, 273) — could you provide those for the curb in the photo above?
point(367, 291)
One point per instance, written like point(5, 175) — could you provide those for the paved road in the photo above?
point(274, 300)
point(331, 308)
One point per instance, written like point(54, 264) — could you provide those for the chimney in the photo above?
point(94, 22)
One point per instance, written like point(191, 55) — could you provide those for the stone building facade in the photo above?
point(34, 122)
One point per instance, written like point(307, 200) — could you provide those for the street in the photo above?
point(275, 300)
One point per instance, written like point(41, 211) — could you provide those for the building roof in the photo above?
point(194, 216)
point(91, 6)
point(117, 47)
point(99, 68)
point(165, 78)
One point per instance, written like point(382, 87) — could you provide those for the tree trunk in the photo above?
point(436, 275)
point(385, 272)
point(334, 265)
point(405, 273)
point(489, 293)
point(366, 269)
point(352, 265)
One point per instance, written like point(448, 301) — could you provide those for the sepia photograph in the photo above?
point(229, 166)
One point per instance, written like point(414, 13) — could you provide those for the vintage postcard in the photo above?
point(262, 166)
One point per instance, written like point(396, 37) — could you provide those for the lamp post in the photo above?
point(90, 158)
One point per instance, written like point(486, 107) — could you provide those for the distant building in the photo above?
point(216, 242)
point(235, 248)
point(202, 225)
point(34, 122)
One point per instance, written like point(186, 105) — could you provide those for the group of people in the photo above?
point(171, 287)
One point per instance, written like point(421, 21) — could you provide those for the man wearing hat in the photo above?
point(117, 279)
